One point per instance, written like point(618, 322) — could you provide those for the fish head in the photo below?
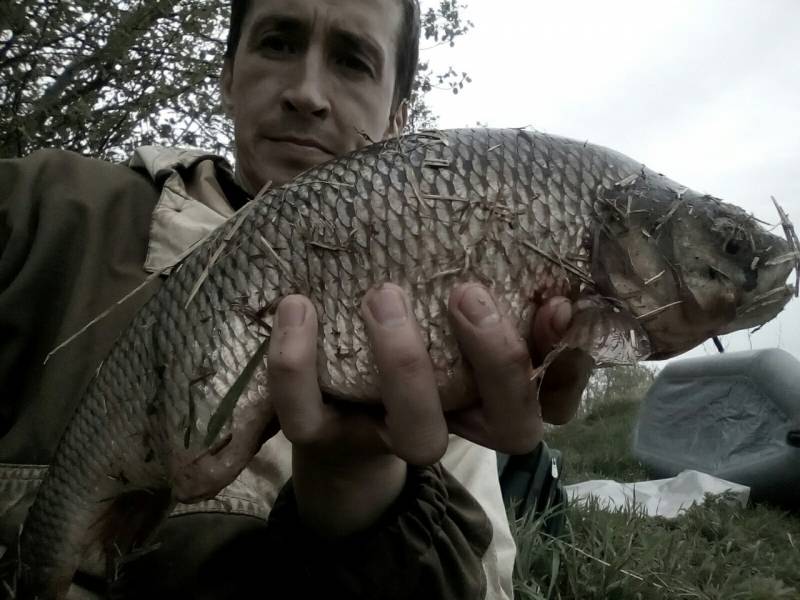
point(689, 266)
point(760, 264)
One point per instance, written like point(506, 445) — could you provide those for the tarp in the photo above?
point(662, 497)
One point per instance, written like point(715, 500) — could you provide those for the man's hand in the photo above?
point(567, 376)
point(348, 467)
point(513, 404)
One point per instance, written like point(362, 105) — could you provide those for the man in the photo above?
point(304, 81)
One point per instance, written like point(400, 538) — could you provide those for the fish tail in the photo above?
point(61, 531)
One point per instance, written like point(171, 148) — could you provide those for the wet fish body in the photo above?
point(654, 269)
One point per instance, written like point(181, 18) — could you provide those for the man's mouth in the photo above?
point(303, 142)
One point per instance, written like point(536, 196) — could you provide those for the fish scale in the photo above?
point(529, 215)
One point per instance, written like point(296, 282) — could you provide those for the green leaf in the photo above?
point(225, 409)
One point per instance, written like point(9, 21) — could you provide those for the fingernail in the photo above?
point(478, 306)
point(387, 306)
point(291, 313)
point(562, 315)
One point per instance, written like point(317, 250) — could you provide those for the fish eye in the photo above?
point(732, 247)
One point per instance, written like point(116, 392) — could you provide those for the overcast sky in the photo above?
point(705, 91)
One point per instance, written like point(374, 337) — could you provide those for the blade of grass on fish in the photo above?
point(223, 245)
point(165, 270)
point(224, 411)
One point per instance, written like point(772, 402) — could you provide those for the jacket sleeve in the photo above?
point(430, 544)
point(73, 233)
point(475, 467)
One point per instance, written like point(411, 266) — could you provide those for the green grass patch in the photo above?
point(717, 551)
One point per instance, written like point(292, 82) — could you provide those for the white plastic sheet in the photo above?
point(659, 497)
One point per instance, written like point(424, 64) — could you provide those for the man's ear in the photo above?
point(226, 85)
point(397, 123)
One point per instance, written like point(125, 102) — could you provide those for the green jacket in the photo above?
point(76, 235)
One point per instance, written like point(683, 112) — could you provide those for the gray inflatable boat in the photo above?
point(735, 416)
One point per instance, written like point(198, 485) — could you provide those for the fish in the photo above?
point(180, 405)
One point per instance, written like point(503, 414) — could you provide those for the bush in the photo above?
point(615, 384)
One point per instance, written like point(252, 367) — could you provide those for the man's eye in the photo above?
point(354, 63)
point(278, 44)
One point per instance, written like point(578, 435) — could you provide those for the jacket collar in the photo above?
point(198, 194)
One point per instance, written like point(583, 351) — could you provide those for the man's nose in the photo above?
point(307, 91)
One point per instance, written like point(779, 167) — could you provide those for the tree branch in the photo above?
point(116, 46)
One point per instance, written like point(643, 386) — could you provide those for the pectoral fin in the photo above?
point(607, 331)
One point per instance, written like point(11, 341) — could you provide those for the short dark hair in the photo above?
point(407, 45)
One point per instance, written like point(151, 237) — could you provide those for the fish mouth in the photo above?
point(766, 305)
point(760, 309)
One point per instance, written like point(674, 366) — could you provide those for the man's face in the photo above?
point(311, 80)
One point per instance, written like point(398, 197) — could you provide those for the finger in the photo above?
point(563, 384)
point(498, 356)
point(472, 424)
point(416, 427)
point(305, 418)
point(292, 371)
point(566, 377)
point(550, 323)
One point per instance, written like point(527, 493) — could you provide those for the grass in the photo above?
point(717, 551)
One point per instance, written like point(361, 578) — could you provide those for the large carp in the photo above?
point(654, 268)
